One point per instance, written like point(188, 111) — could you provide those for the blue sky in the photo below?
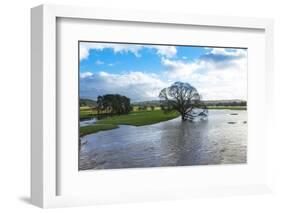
point(141, 71)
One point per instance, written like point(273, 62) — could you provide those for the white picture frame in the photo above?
point(44, 149)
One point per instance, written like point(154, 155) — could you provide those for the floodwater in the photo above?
point(88, 122)
point(222, 139)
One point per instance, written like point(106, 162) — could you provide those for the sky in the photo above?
point(140, 72)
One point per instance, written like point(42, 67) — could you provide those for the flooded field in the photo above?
point(222, 139)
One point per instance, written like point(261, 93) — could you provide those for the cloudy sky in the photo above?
point(141, 71)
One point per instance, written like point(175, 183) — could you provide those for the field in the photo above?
point(135, 118)
point(86, 113)
point(139, 118)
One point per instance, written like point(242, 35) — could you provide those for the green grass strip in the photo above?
point(85, 130)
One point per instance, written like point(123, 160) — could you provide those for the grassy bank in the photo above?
point(85, 130)
point(228, 107)
point(139, 118)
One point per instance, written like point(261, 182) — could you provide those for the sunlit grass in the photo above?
point(85, 130)
point(139, 118)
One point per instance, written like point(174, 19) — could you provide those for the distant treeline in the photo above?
point(109, 102)
point(113, 104)
point(207, 103)
point(226, 103)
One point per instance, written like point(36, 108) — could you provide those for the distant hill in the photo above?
point(87, 102)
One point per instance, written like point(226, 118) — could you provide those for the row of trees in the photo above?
point(113, 104)
point(232, 103)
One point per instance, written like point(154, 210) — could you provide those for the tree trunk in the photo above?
point(183, 117)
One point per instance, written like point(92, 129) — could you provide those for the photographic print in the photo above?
point(158, 105)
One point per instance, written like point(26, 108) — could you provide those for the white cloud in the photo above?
point(219, 78)
point(84, 52)
point(167, 51)
point(178, 69)
point(137, 85)
point(85, 74)
point(227, 83)
point(85, 47)
point(99, 62)
point(225, 79)
point(229, 52)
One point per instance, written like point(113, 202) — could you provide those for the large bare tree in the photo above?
point(185, 99)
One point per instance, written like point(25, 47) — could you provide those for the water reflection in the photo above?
point(170, 143)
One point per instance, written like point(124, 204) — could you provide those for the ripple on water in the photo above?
point(169, 143)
